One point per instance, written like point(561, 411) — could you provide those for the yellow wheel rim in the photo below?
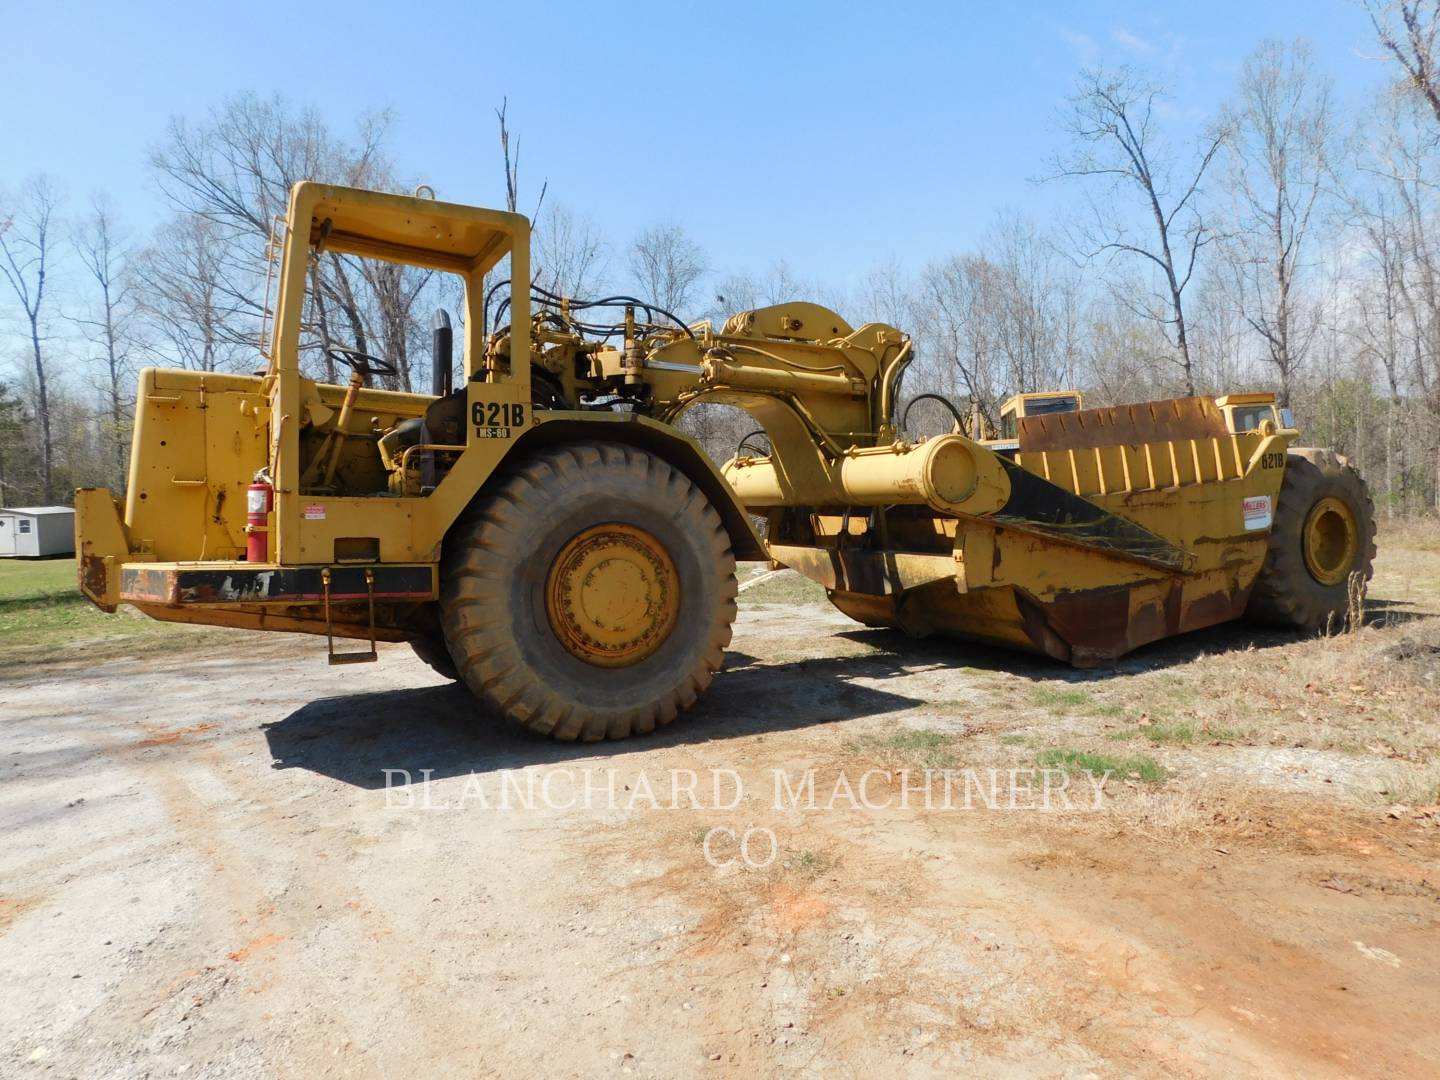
point(612, 595)
point(1332, 539)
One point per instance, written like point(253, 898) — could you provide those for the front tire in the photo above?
point(431, 650)
point(1324, 532)
point(590, 595)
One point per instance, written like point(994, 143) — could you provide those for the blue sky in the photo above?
point(833, 135)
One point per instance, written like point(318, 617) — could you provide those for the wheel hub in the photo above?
point(612, 595)
point(1332, 539)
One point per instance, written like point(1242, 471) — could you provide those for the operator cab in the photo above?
point(419, 451)
point(1041, 403)
point(1246, 412)
point(1044, 403)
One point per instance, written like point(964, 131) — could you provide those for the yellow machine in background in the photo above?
point(545, 533)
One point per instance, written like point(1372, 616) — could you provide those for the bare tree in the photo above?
point(1396, 217)
point(1003, 320)
point(958, 357)
point(569, 253)
point(1377, 326)
point(26, 242)
point(1032, 303)
point(237, 168)
point(101, 248)
point(885, 294)
point(1407, 30)
point(1110, 121)
point(13, 422)
point(394, 290)
point(666, 265)
point(1124, 355)
point(745, 291)
point(185, 298)
point(512, 164)
point(1225, 340)
point(234, 173)
point(1281, 155)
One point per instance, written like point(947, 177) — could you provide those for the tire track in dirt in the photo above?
point(1138, 953)
point(276, 926)
point(244, 944)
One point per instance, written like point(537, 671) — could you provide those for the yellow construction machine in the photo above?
point(545, 533)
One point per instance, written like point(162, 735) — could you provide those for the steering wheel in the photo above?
point(362, 364)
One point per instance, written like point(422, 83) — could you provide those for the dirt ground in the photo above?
point(206, 870)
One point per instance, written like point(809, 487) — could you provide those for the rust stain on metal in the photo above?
point(1123, 425)
point(93, 580)
point(149, 585)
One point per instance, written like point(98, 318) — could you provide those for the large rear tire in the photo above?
point(1324, 532)
point(590, 595)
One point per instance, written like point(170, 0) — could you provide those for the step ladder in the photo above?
point(355, 656)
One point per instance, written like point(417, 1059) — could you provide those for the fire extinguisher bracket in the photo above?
point(259, 501)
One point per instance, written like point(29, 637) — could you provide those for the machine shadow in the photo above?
point(1229, 637)
point(356, 737)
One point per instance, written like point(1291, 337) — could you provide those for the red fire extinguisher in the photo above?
point(259, 498)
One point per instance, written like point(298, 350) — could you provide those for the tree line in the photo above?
point(1292, 246)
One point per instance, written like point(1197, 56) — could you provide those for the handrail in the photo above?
point(274, 249)
point(405, 457)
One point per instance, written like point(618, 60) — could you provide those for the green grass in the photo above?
point(1175, 691)
point(1076, 761)
point(1412, 786)
point(919, 747)
point(41, 609)
point(1051, 698)
point(1180, 734)
point(788, 588)
point(812, 863)
point(865, 648)
point(22, 578)
point(922, 739)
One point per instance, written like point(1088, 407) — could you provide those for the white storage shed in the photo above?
point(36, 530)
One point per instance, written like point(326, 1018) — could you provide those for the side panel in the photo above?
point(192, 584)
point(412, 529)
point(196, 445)
point(199, 439)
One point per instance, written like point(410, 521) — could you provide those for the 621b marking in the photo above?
point(490, 414)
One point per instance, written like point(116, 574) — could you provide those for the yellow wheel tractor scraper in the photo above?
point(546, 534)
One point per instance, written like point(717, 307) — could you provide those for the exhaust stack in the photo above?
point(442, 353)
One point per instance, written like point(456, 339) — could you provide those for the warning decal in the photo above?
point(1257, 512)
point(314, 512)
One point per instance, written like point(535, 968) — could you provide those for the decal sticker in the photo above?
point(494, 419)
point(1257, 512)
point(314, 512)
